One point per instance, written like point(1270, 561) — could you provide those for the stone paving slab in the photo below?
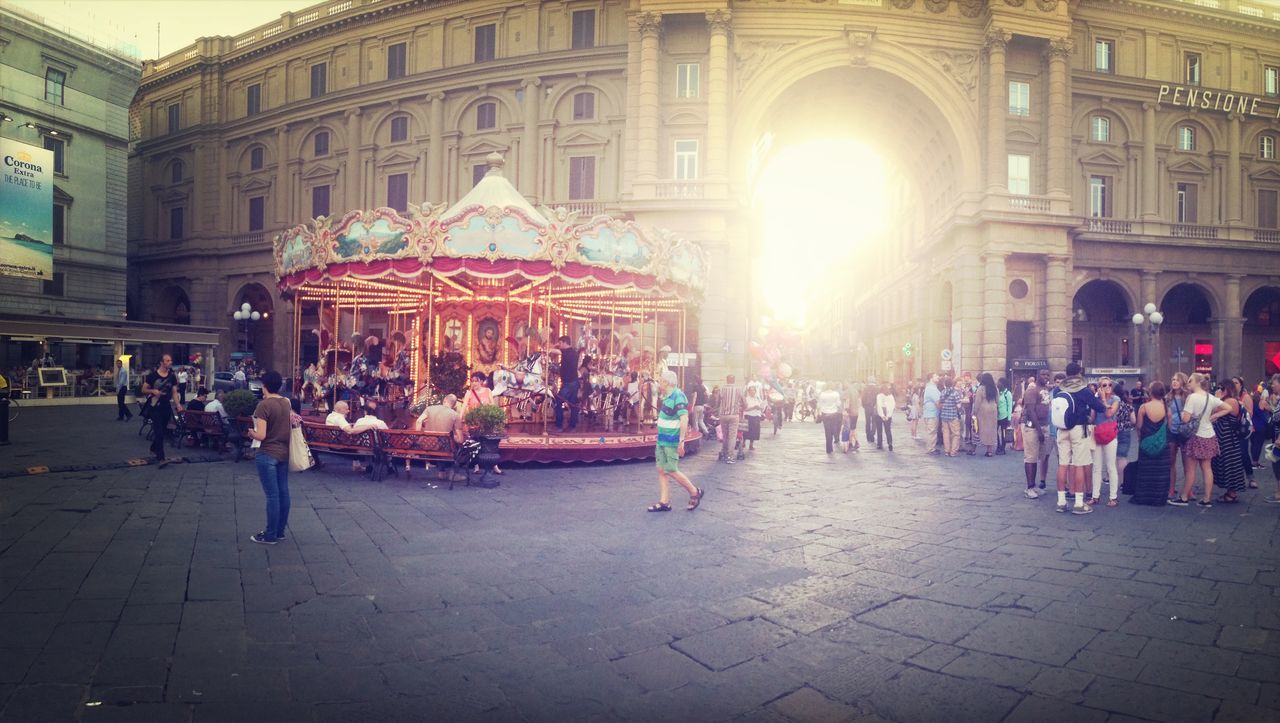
point(873, 587)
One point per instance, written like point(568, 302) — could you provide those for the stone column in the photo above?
point(1232, 338)
point(1058, 52)
point(1233, 212)
point(435, 151)
point(650, 27)
point(1150, 183)
point(1143, 349)
point(1057, 311)
point(282, 177)
point(529, 143)
point(997, 111)
point(994, 314)
point(353, 180)
point(718, 22)
point(969, 292)
point(632, 127)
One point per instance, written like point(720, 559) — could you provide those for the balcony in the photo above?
point(1110, 225)
point(1003, 203)
point(680, 189)
point(1190, 232)
point(1187, 230)
point(584, 209)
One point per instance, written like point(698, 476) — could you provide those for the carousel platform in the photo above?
point(586, 446)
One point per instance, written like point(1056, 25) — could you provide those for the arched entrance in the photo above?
point(1102, 332)
point(172, 306)
point(1187, 341)
point(1260, 349)
point(254, 337)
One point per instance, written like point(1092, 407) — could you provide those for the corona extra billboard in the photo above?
point(26, 210)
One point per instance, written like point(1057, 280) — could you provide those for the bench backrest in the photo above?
point(203, 421)
point(408, 444)
point(324, 436)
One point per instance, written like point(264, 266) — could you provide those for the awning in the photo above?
point(105, 331)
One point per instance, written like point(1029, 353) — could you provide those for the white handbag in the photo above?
point(300, 459)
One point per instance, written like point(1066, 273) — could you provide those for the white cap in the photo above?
point(670, 377)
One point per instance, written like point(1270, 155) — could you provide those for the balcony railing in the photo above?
point(680, 189)
point(1029, 203)
point(255, 238)
point(1110, 225)
point(1197, 232)
point(1271, 236)
point(584, 209)
point(1186, 230)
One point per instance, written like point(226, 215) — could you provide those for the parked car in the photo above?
point(226, 382)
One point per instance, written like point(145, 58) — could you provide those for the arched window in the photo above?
point(1100, 129)
point(1267, 147)
point(486, 116)
point(175, 172)
point(1186, 138)
point(255, 158)
point(584, 106)
point(400, 129)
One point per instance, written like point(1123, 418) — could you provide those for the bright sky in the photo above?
point(818, 201)
point(134, 21)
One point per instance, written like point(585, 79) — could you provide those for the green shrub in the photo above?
point(239, 403)
point(487, 419)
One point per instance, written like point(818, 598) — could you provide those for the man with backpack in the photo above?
point(1069, 411)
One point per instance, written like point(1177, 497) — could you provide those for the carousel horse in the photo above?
point(522, 387)
point(311, 389)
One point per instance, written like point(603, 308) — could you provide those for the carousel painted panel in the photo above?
point(494, 233)
point(368, 235)
point(615, 244)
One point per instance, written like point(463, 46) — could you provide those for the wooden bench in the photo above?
point(204, 425)
point(332, 440)
point(409, 445)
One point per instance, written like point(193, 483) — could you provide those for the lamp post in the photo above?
point(1149, 320)
point(246, 313)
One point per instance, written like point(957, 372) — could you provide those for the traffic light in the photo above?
point(906, 349)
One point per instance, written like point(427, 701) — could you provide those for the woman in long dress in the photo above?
point(1228, 466)
point(1151, 471)
point(985, 403)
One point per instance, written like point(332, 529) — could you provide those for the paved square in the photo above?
point(880, 586)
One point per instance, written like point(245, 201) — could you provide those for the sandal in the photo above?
point(1112, 503)
point(694, 500)
point(1253, 485)
point(1229, 499)
point(659, 507)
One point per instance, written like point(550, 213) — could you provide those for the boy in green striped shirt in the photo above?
point(673, 425)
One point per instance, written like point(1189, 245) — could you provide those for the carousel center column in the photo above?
point(1057, 343)
point(650, 27)
point(435, 151)
point(997, 109)
point(718, 22)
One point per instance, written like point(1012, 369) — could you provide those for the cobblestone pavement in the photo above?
point(870, 587)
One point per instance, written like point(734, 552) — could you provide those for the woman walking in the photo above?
point(271, 425)
point(917, 409)
point(1247, 407)
point(1176, 400)
point(1151, 475)
point(1105, 431)
point(985, 402)
point(1228, 466)
point(885, 405)
point(1200, 411)
point(753, 411)
point(1004, 412)
point(829, 413)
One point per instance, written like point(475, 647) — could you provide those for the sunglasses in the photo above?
point(1106, 386)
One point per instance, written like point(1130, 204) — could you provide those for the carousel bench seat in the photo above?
point(204, 425)
point(332, 440)
point(409, 445)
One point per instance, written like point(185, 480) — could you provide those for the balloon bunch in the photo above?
point(769, 350)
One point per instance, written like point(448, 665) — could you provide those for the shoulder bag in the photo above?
point(1188, 429)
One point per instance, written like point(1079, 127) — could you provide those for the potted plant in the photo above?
point(240, 404)
point(488, 425)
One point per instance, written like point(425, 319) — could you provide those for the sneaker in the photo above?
point(1041, 484)
point(1081, 510)
point(1061, 508)
point(262, 539)
point(1179, 502)
point(1204, 503)
point(1032, 494)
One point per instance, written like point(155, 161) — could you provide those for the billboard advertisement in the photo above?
point(26, 210)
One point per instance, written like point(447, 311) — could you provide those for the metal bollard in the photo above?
point(4, 420)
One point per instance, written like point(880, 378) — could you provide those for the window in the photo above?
point(175, 172)
point(321, 144)
point(175, 118)
point(396, 60)
point(582, 178)
point(59, 224)
point(1103, 55)
point(257, 204)
point(686, 160)
point(486, 42)
point(1100, 129)
point(687, 76)
point(175, 222)
point(57, 285)
point(1184, 205)
point(55, 85)
point(255, 158)
point(1019, 98)
point(319, 201)
point(478, 172)
point(584, 106)
point(1186, 138)
point(584, 29)
point(398, 191)
point(1267, 147)
point(1271, 80)
point(486, 116)
point(58, 146)
point(1191, 63)
point(319, 79)
point(1100, 196)
point(1267, 211)
point(1019, 174)
point(400, 129)
point(253, 99)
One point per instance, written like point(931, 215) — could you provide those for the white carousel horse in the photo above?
point(523, 380)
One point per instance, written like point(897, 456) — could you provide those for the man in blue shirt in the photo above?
point(673, 425)
point(122, 387)
point(930, 413)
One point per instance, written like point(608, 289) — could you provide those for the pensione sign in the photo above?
point(1219, 100)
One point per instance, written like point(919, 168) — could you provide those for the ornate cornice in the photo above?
point(1059, 49)
point(647, 24)
point(996, 39)
point(719, 21)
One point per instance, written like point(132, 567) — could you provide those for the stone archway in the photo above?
point(1260, 347)
point(258, 336)
point(1188, 341)
point(1102, 332)
point(172, 306)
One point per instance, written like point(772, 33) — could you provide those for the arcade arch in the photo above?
point(257, 337)
point(1260, 350)
point(1102, 330)
point(1187, 336)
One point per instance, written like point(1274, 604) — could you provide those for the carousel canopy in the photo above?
point(491, 237)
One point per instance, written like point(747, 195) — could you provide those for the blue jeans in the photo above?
point(568, 393)
point(274, 476)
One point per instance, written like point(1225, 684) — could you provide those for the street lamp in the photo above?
point(1150, 320)
point(247, 314)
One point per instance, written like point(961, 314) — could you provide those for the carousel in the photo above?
point(395, 311)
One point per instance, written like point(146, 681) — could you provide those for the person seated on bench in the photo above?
point(368, 421)
point(201, 402)
point(338, 418)
point(442, 418)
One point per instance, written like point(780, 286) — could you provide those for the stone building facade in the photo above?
point(1053, 172)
